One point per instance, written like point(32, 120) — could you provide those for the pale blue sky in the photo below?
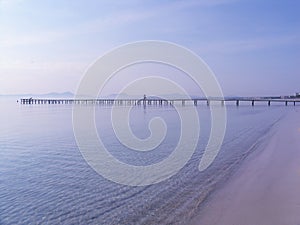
point(253, 46)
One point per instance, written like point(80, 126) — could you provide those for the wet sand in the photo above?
point(266, 188)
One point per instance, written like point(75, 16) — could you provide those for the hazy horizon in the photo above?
point(71, 94)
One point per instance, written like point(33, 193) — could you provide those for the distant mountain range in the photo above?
point(47, 95)
point(69, 95)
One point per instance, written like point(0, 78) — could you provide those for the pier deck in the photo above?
point(160, 102)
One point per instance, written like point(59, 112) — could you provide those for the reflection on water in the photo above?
point(44, 179)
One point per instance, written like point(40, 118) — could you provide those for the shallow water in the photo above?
point(45, 180)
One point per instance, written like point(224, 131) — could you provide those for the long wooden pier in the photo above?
point(158, 102)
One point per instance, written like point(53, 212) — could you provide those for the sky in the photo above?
point(252, 46)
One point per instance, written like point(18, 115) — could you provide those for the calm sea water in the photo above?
point(45, 180)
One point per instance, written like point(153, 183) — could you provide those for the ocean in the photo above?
point(44, 179)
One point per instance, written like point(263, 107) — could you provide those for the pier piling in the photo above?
point(152, 102)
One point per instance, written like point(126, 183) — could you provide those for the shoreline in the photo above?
point(265, 188)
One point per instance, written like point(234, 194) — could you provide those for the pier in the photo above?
point(159, 102)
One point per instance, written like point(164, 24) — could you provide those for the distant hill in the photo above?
point(46, 95)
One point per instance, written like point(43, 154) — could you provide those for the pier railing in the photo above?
point(159, 102)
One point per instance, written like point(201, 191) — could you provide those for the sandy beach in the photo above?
point(265, 190)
